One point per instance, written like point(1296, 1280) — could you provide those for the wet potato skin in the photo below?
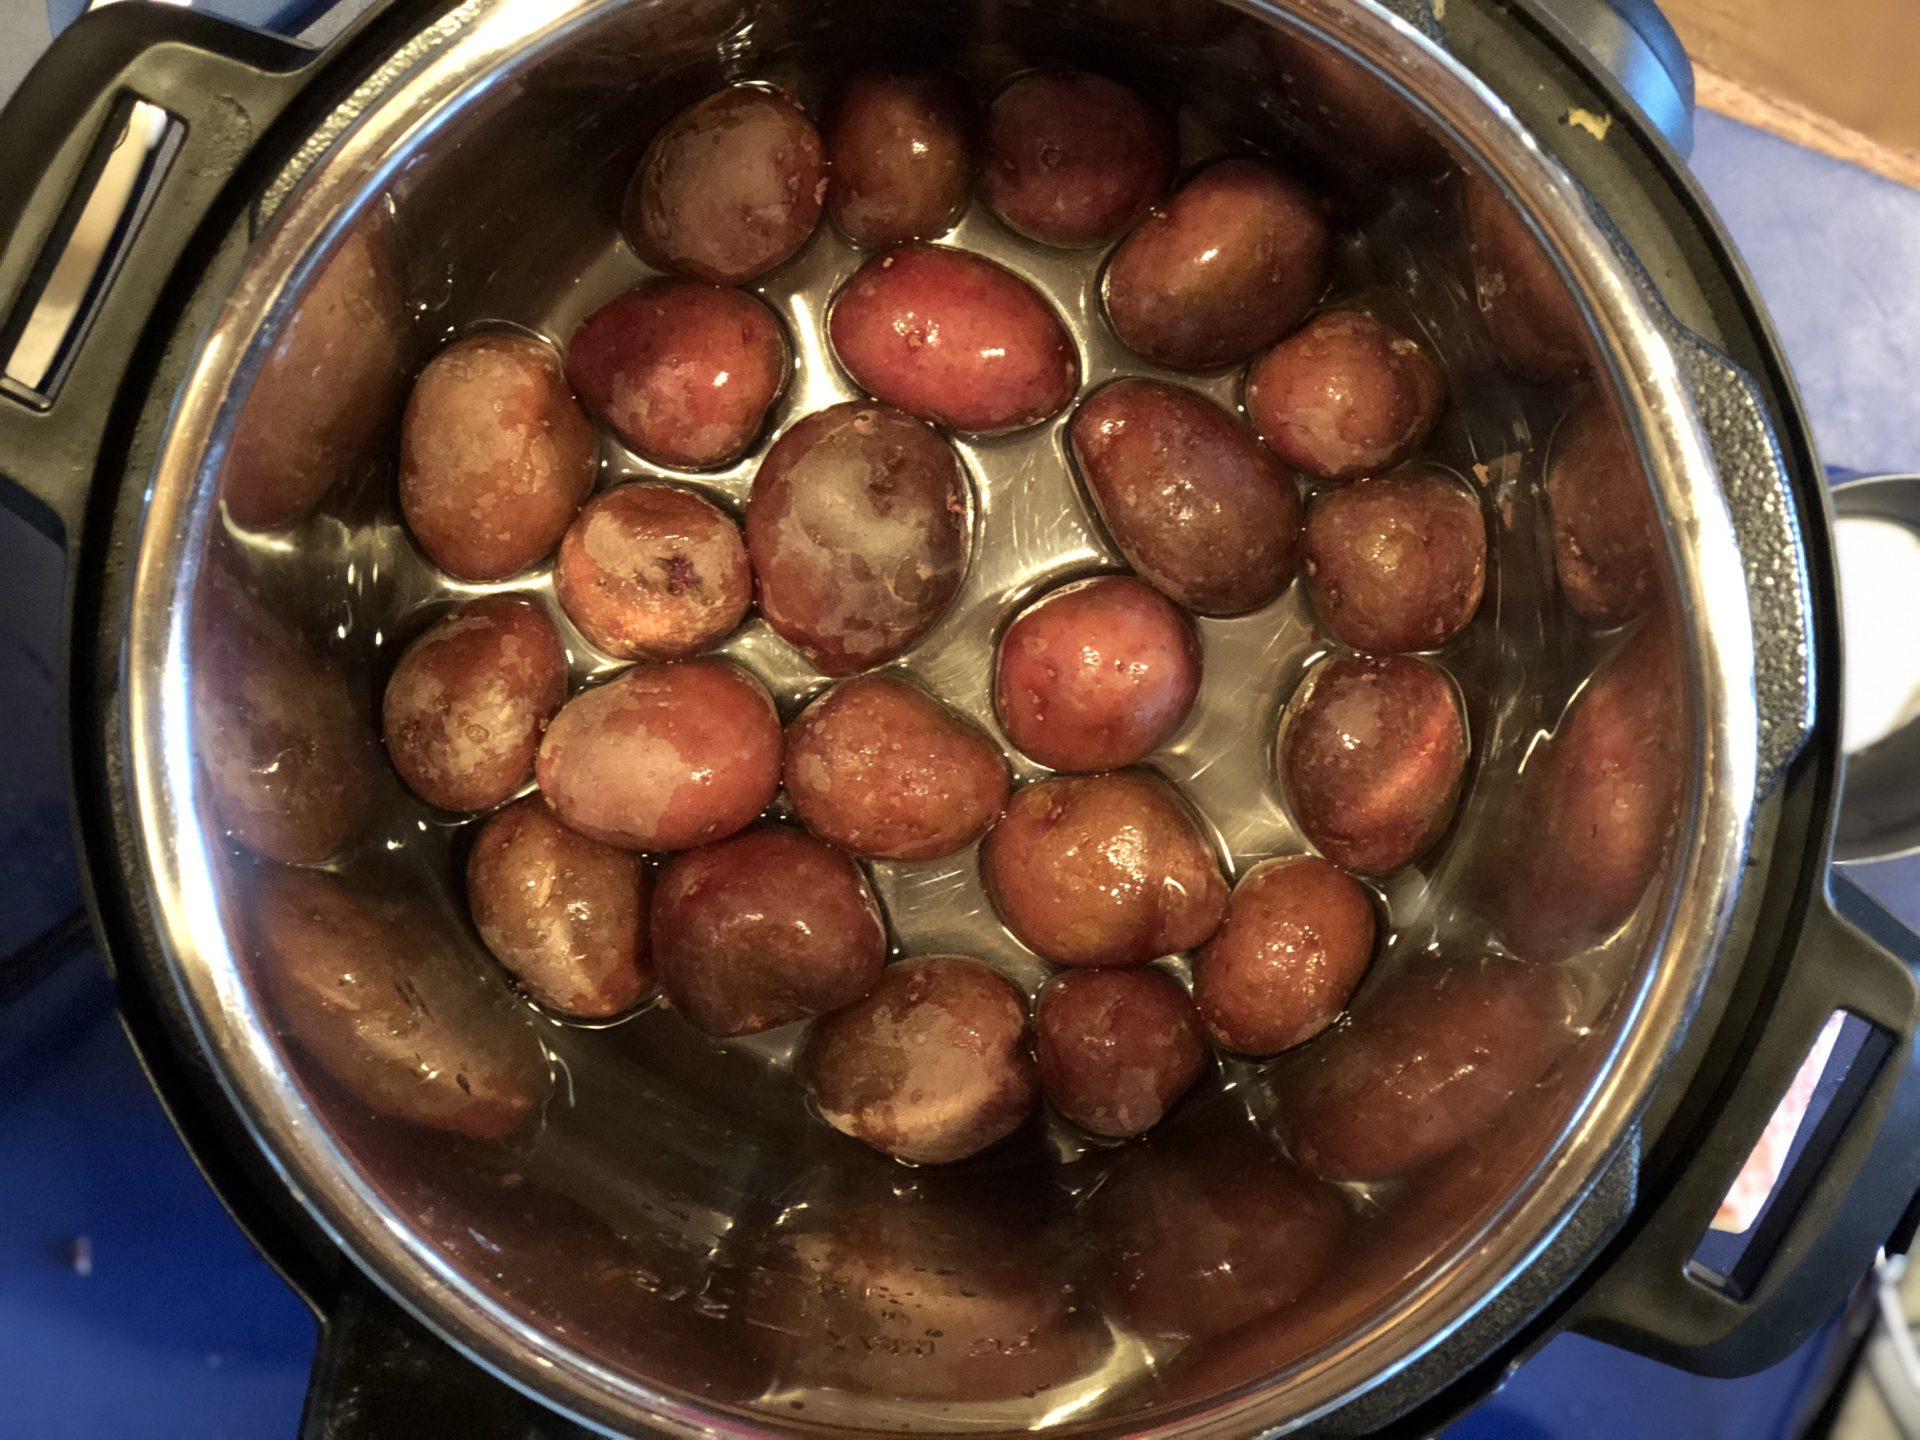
point(1535, 324)
point(954, 338)
point(729, 188)
point(654, 572)
point(936, 1064)
point(564, 915)
point(495, 456)
point(1116, 1048)
point(1398, 563)
point(683, 373)
point(1607, 550)
point(464, 710)
point(878, 767)
point(663, 757)
point(857, 529)
point(762, 929)
point(1103, 870)
point(901, 156)
point(1344, 395)
point(1192, 500)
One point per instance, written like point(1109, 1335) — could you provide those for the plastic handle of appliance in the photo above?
point(1851, 956)
point(1633, 41)
point(223, 84)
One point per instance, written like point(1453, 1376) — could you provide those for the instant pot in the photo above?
point(697, 1260)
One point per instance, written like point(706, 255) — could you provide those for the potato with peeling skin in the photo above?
point(464, 710)
point(664, 757)
point(1398, 563)
point(1607, 550)
point(763, 929)
point(729, 188)
point(900, 156)
point(857, 529)
point(564, 915)
point(936, 1064)
point(1344, 395)
point(654, 572)
point(495, 456)
point(878, 767)
point(684, 373)
point(1534, 320)
point(1103, 870)
point(1117, 1048)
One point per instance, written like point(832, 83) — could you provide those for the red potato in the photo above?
point(326, 387)
point(664, 757)
point(564, 915)
point(1103, 870)
point(1097, 674)
point(900, 152)
point(684, 373)
point(1434, 1062)
point(654, 572)
point(1355, 120)
point(1372, 752)
point(288, 760)
point(857, 527)
point(370, 989)
point(1224, 269)
point(495, 456)
point(730, 188)
point(878, 767)
point(1606, 535)
point(1073, 159)
point(1398, 563)
point(953, 338)
point(464, 710)
point(1117, 1048)
point(936, 1064)
point(1344, 395)
point(1532, 315)
point(1297, 939)
point(764, 929)
point(1192, 500)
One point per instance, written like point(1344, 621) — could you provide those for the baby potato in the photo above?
point(762, 929)
point(684, 373)
point(729, 188)
point(1073, 158)
point(1372, 752)
point(1116, 1048)
point(1532, 315)
point(1192, 500)
point(1344, 395)
point(1224, 269)
point(953, 338)
point(654, 572)
point(1103, 870)
point(1096, 674)
point(1297, 939)
point(664, 757)
point(936, 1064)
point(1398, 563)
point(857, 528)
point(1607, 550)
point(900, 155)
point(878, 767)
point(464, 710)
point(495, 456)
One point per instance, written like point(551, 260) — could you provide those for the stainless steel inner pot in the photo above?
point(678, 1245)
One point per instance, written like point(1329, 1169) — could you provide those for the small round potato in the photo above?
point(1606, 535)
point(900, 152)
point(664, 757)
point(1532, 315)
point(1224, 269)
point(1096, 675)
point(565, 915)
point(1297, 938)
point(1398, 563)
point(1344, 395)
point(730, 188)
point(1103, 870)
point(495, 456)
point(463, 713)
point(654, 572)
point(764, 929)
point(953, 338)
point(684, 373)
point(1117, 1048)
point(936, 1064)
point(878, 767)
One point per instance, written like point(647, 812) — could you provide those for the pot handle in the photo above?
point(1854, 957)
point(221, 84)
